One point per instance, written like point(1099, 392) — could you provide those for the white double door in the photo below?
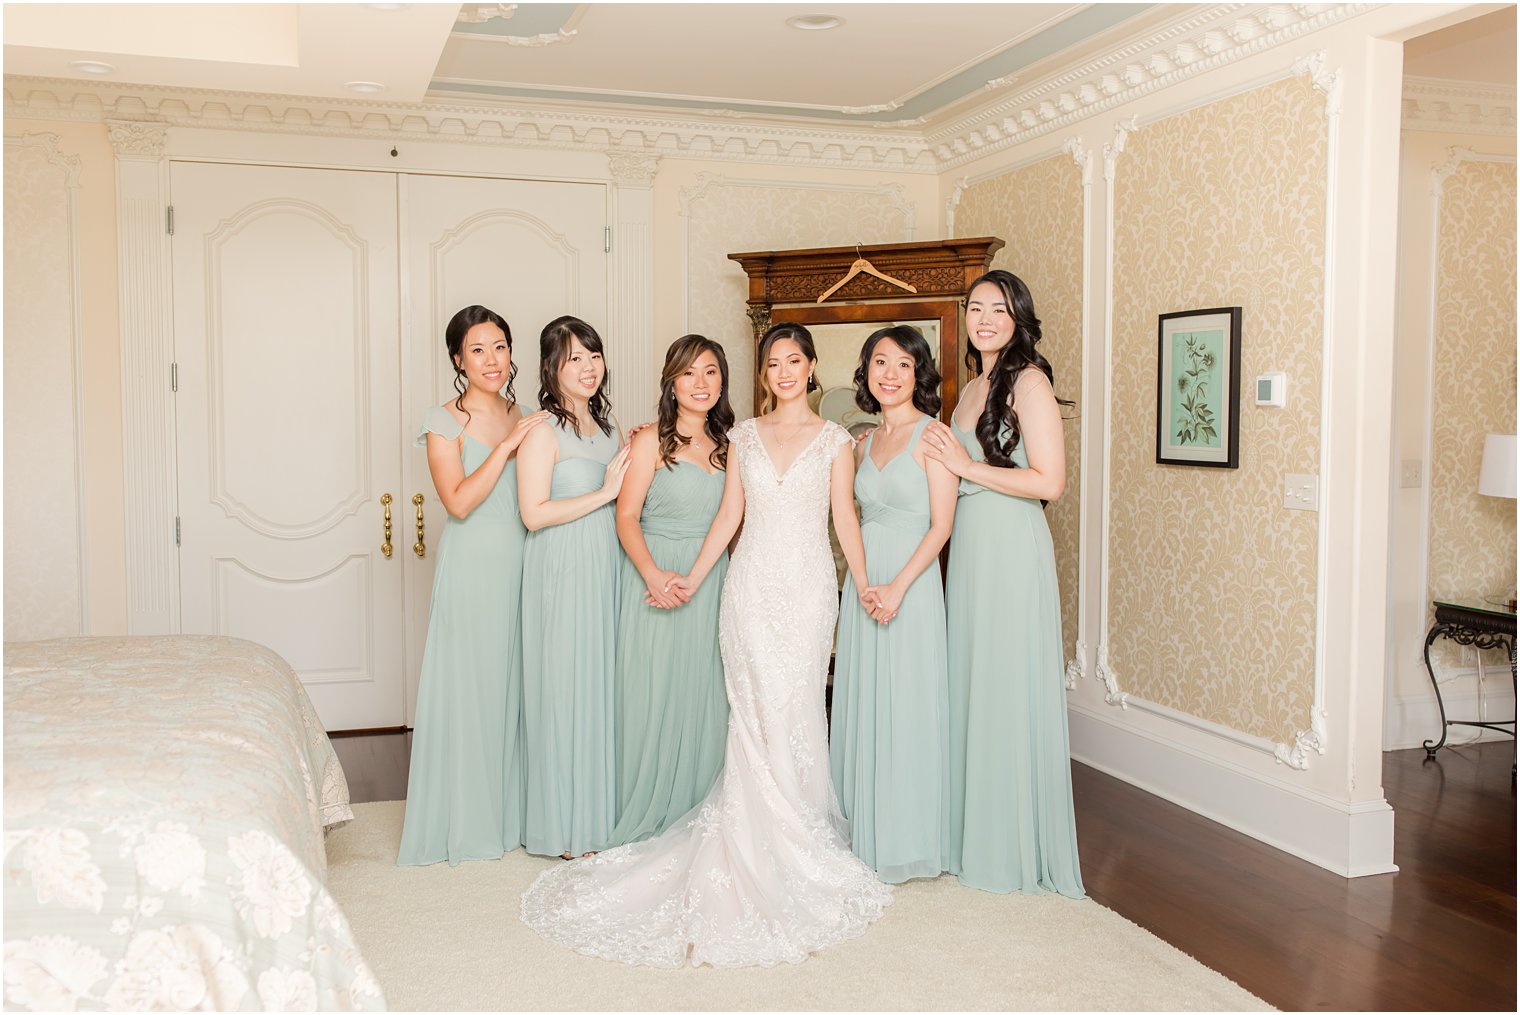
point(309, 312)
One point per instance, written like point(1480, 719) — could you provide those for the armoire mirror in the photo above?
point(785, 285)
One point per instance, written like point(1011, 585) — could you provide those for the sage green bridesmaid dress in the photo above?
point(569, 618)
point(889, 748)
point(1012, 826)
point(672, 710)
point(465, 791)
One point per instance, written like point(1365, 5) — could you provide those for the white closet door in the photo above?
point(530, 251)
point(286, 339)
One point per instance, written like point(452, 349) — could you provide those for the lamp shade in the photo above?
point(1497, 477)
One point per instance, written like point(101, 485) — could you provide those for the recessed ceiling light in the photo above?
point(815, 22)
point(93, 67)
point(367, 87)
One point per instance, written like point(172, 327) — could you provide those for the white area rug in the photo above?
point(441, 938)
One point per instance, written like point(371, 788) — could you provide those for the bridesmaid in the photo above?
point(672, 711)
point(464, 797)
point(889, 737)
point(568, 476)
point(1011, 822)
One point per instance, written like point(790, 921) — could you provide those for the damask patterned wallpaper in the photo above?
point(1037, 211)
point(1472, 537)
point(726, 216)
point(1212, 580)
point(42, 551)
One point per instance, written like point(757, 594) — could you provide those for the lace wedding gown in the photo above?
point(760, 872)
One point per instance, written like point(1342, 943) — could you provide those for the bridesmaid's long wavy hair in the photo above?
point(1020, 352)
point(683, 352)
point(789, 330)
point(453, 339)
point(926, 379)
point(553, 350)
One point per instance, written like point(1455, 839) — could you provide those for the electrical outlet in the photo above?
point(1409, 474)
point(1301, 493)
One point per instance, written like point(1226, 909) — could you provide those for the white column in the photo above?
point(632, 356)
point(147, 353)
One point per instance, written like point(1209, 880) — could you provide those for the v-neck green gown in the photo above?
point(889, 731)
point(1012, 827)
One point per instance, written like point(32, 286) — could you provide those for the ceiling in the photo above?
point(883, 64)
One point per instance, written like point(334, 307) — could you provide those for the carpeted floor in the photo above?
point(441, 938)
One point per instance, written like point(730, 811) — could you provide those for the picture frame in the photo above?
point(1198, 388)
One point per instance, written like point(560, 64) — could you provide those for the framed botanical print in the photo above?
point(1198, 388)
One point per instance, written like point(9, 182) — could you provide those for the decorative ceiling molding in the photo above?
point(719, 137)
point(479, 14)
point(1199, 41)
point(1464, 107)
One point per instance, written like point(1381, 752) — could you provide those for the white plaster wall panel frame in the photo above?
point(1457, 156)
point(1312, 740)
point(47, 146)
point(1078, 665)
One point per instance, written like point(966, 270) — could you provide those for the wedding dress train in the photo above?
point(760, 872)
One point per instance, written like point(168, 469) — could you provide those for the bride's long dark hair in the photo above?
point(1020, 352)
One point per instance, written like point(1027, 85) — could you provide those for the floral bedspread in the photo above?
point(165, 800)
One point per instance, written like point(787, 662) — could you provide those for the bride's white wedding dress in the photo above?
point(759, 872)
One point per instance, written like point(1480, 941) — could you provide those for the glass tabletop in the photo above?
point(1496, 605)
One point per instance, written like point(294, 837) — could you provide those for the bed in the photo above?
point(165, 807)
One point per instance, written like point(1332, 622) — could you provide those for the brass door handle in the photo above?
point(420, 546)
point(385, 547)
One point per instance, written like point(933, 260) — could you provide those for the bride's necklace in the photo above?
point(782, 442)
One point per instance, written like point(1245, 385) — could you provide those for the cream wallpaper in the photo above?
point(725, 216)
point(42, 538)
point(1037, 211)
point(1211, 579)
point(1472, 537)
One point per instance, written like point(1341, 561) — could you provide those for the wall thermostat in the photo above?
point(1272, 389)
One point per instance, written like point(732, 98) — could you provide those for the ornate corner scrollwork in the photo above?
point(137, 137)
point(1326, 82)
point(1315, 739)
point(633, 169)
point(48, 143)
point(953, 202)
point(1115, 148)
point(1112, 694)
point(1081, 156)
point(1076, 666)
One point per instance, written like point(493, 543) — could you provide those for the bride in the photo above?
point(760, 872)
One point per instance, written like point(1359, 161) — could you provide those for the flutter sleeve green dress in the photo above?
point(672, 711)
point(465, 792)
point(569, 620)
point(889, 732)
point(1012, 827)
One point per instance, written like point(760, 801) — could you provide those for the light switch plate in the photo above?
point(1301, 493)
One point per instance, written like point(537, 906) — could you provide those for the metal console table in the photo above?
point(1483, 625)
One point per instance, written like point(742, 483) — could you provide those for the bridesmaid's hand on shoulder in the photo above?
point(634, 431)
point(941, 444)
point(616, 470)
point(514, 438)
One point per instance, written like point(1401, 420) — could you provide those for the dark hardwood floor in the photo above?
point(1437, 936)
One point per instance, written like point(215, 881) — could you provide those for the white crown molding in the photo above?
point(1467, 107)
point(531, 41)
point(1197, 42)
point(479, 14)
point(722, 135)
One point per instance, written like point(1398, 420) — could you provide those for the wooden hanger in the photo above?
point(862, 265)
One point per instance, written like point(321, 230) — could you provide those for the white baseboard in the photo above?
point(1353, 840)
point(1414, 718)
